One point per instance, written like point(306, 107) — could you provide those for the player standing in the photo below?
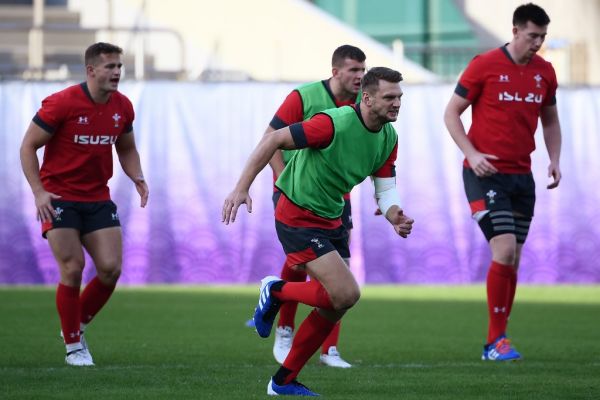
point(508, 89)
point(77, 128)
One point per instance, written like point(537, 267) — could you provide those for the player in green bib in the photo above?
point(342, 147)
point(341, 89)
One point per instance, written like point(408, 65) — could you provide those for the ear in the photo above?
point(334, 71)
point(515, 30)
point(366, 98)
point(89, 69)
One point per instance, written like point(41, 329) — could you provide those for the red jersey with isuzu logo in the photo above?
point(78, 158)
point(506, 101)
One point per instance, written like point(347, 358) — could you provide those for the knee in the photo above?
point(504, 249)
point(109, 272)
point(71, 271)
point(346, 299)
point(506, 256)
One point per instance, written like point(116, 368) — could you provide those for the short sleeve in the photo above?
point(51, 114)
point(471, 81)
point(550, 98)
point(289, 112)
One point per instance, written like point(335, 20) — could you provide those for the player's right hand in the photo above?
point(480, 164)
point(232, 203)
point(43, 205)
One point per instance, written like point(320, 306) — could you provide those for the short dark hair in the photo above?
point(96, 49)
point(376, 74)
point(530, 12)
point(347, 51)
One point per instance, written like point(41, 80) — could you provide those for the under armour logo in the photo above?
point(498, 310)
point(503, 78)
point(317, 242)
point(82, 121)
point(115, 216)
point(491, 194)
point(116, 118)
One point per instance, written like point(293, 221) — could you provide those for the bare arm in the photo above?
point(130, 162)
point(553, 140)
point(35, 138)
point(270, 142)
point(478, 161)
point(276, 162)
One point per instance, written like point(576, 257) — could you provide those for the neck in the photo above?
point(338, 91)
point(370, 120)
point(98, 95)
point(519, 57)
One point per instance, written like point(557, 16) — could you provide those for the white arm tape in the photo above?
point(386, 193)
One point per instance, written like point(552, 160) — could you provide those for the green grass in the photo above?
point(405, 342)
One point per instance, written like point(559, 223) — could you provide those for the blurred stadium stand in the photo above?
point(234, 40)
point(64, 40)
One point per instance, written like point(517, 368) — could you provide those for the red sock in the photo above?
point(332, 339)
point(94, 297)
point(311, 334)
point(287, 312)
point(311, 293)
point(498, 287)
point(67, 303)
point(512, 291)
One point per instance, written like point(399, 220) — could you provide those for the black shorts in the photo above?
point(346, 214)
point(83, 216)
point(500, 192)
point(302, 245)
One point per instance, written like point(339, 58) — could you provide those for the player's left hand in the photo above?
point(142, 188)
point(402, 223)
point(232, 203)
point(555, 174)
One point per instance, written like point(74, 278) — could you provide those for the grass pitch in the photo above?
point(405, 342)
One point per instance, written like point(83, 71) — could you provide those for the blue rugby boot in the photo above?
point(267, 308)
point(500, 350)
point(294, 388)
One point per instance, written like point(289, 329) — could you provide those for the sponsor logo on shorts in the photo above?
point(114, 216)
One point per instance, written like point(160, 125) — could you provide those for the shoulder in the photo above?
point(122, 101)
point(540, 62)
point(311, 87)
point(489, 57)
point(70, 92)
point(341, 112)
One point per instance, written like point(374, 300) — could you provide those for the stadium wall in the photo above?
point(194, 139)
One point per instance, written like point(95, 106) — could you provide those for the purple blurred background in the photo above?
point(194, 139)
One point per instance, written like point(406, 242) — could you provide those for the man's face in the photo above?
point(385, 102)
point(529, 38)
point(106, 71)
point(349, 74)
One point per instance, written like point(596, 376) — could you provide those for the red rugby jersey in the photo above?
point(78, 158)
point(506, 102)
